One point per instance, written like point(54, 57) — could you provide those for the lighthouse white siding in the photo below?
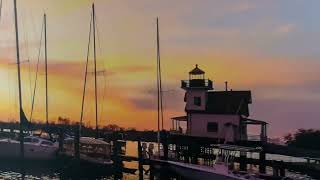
point(191, 97)
point(227, 126)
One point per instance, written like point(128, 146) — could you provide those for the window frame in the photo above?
point(212, 127)
point(197, 101)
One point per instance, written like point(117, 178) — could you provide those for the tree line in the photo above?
point(304, 138)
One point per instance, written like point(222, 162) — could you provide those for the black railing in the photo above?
point(197, 83)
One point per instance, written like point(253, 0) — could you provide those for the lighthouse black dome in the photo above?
point(196, 71)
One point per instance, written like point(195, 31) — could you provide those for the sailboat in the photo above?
point(91, 150)
point(34, 148)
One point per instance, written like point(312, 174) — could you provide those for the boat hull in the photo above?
point(74, 169)
point(11, 150)
point(195, 174)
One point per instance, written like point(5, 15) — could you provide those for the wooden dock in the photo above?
point(191, 149)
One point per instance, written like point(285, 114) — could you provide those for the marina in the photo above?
point(211, 139)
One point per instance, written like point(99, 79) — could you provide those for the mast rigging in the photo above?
point(85, 77)
point(37, 70)
point(19, 80)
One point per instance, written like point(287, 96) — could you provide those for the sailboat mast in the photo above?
point(46, 65)
point(95, 67)
point(0, 9)
point(19, 79)
point(158, 87)
point(159, 69)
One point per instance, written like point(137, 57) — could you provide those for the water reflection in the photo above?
point(63, 170)
point(37, 170)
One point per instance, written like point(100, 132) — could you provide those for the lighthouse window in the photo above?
point(212, 127)
point(197, 101)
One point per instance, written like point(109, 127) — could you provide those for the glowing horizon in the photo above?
point(267, 47)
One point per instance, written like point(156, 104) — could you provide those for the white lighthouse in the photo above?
point(196, 90)
point(222, 115)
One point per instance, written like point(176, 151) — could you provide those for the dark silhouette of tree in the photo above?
point(63, 121)
point(131, 129)
point(304, 138)
point(112, 127)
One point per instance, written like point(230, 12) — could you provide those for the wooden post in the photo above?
point(172, 121)
point(116, 146)
point(151, 172)
point(262, 159)
point(61, 138)
point(178, 151)
point(164, 141)
point(186, 154)
point(194, 152)
point(140, 159)
point(118, 165)
point(263, 134)
point(282, 169)
point(243, 163)
point(275, 169)
point(166, 150)
point(77, 143)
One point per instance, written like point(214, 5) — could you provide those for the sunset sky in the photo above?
point(269, 47)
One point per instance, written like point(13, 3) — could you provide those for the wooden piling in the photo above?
point(186, 153)
point(116, 145)
point(77, 143)
point(164, 141)
point(140, 158)
point(194, 152)
point(243, 163)
point(61, 138)
point(282, 169)
point(275, 169)
point(178, 151)
point(118, 165)
point(151, 172)
point(262, 159)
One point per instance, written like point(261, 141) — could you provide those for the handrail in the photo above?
point(196, 83)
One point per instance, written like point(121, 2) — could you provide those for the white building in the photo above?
point(222, 115)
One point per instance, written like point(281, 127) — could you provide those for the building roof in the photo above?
point(196, 71)
point(253, 121)
point(229, 102)
point(180, 118)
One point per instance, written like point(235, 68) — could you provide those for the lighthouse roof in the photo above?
point(229, 102)
point(196, 71)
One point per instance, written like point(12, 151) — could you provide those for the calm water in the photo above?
point(12, 170)
point(31, 170)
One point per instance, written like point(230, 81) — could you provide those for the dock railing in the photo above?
point(253, 137)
